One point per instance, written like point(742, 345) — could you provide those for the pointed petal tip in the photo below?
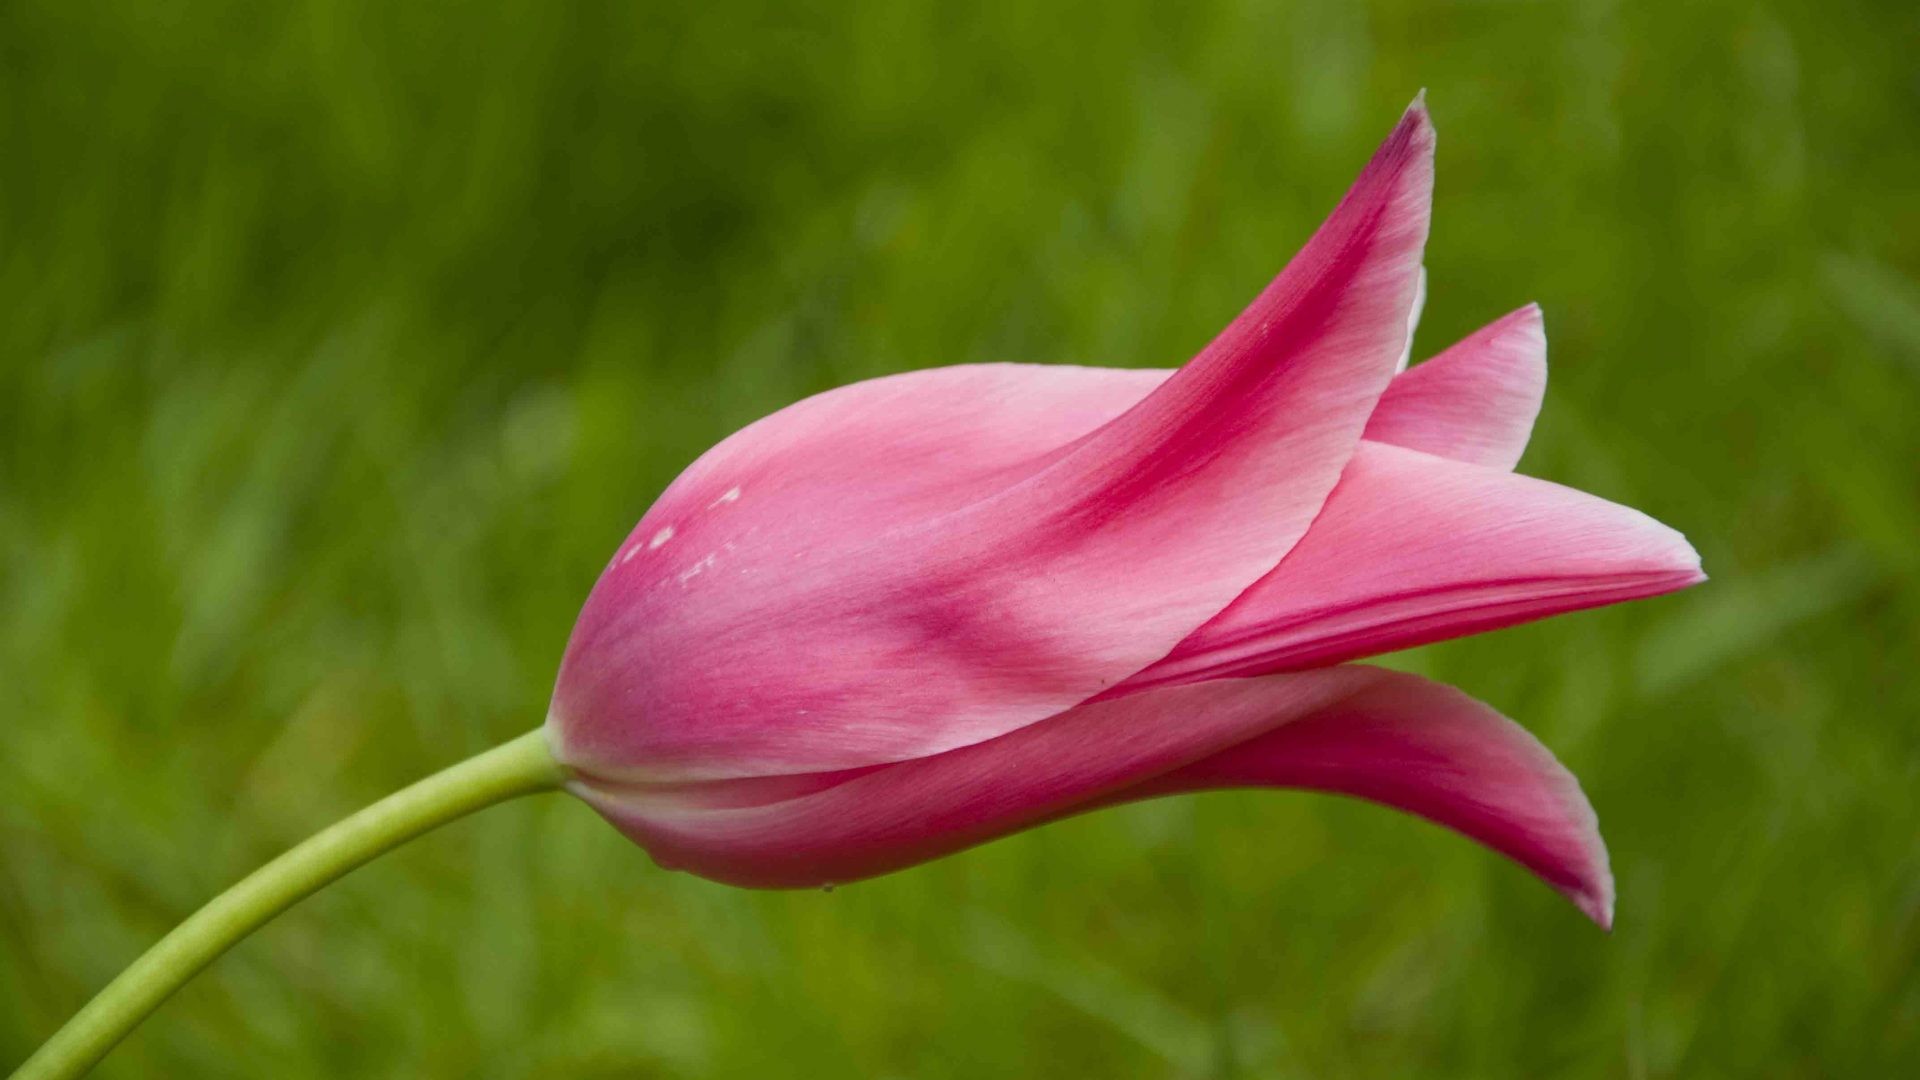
point(1530, 317)
point(1523, 327)
point(1685, 562)
point(1663, 582)
point(1411, 142)
point(1476, 400)
point(1417, 123)
point(1600, 910)
point(1595, 898)
point(1669, 560)
point(1592, 891)
point(1419, 118)
point(1589, 874)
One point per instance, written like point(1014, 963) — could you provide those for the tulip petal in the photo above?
point(904, 449)
point(835, 631)
point(803, 831)
point(1414, 548)
point(776, 502)
point(1474, 402)
point(1430, 750)
point(1392, 738)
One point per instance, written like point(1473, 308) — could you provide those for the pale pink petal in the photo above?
point(760, 632)
point(777, 502)
point(801, 831)
point(1413, 548)
point(1433, 751)
point(903, 448)
point(1474, 402)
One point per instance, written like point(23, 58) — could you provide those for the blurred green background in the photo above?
point(341, 343)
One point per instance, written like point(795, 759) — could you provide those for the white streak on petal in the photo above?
point(1413, 319)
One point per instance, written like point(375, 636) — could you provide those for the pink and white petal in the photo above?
point(1474, 402)
point(804, 831)
point(1429, 750)
point(1414, 548)
point(832, 634)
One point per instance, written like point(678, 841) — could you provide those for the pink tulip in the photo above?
point(914, 614)
point(910, 615)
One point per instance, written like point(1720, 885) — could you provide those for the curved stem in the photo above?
point(520, 767)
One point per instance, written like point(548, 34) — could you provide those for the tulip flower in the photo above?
point(914, 614)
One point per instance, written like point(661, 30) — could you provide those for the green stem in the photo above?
point(520, 767)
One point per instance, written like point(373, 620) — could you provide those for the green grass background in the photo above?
point(341, 342)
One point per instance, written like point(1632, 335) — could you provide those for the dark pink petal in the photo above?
point(1430, 750)
point(799, 831)
point(1413, 548)
point(763, 620)
point(1474, 402)
point(1392, 738)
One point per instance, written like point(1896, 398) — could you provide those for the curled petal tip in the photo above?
point(1599, 907)
point(1430, 750)
point(1590, 884)
point(1593, 893)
